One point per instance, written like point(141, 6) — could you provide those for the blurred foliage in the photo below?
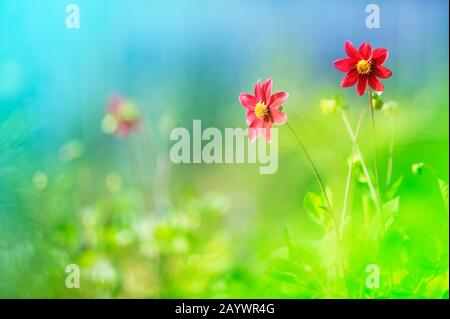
point(139, 226)
point(128, 242)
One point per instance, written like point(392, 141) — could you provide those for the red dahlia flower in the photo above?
point(363, 66)
point(263, 109)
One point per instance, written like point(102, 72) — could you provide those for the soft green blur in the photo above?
point(139, 226)
point(147, 228)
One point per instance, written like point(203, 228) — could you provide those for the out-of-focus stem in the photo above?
point(328, 202)
point(375, 149)
point(140, 180)
point(316, 173)
point(391, 153)
point(355, 149)
point(365, 205)
point(375, 146)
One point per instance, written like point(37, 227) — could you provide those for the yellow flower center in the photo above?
point(260, 110)
point(363, 66)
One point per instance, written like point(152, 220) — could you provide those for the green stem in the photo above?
point(366, 173)
point(140, 180)
point(147, 147)
point(316, 173)
point(391, 153)
point(350, 170)
point(365, 206)
point(311, 163)
point(346, 193)
point(375, 147)
point(432, 170)
point(328, 202)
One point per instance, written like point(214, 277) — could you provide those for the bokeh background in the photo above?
point(141, 227)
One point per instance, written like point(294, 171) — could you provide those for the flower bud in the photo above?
point(377, 102)
point(328, 106)
point(417, 168)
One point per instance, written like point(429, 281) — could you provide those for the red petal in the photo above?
point(252, 134)
point(278, 117)
point(267, 129)
point(266, 90)
point(351, 51)
point(376, 84)
point(350, 79)
point(366, 51)
point(382, 72)
point(344, 65)
point(253, 129)
point(268, 137)
point(258, 91)
point(380, 56)
point(250, 116)
point(247, 100)
point(277, 100)
point(362, 84)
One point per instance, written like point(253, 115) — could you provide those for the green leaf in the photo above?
point(390, 210)
point(316, 207)
point(444, 191)
point(393, 189)
point(393, 248)
point(285, 277)
point(328, 250)
point(391, 207)
point(421, 266)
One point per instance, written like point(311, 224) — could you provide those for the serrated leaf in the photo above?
point(443, 186)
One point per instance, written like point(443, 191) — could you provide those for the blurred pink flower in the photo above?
point(122, 117)
point(263, 109)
